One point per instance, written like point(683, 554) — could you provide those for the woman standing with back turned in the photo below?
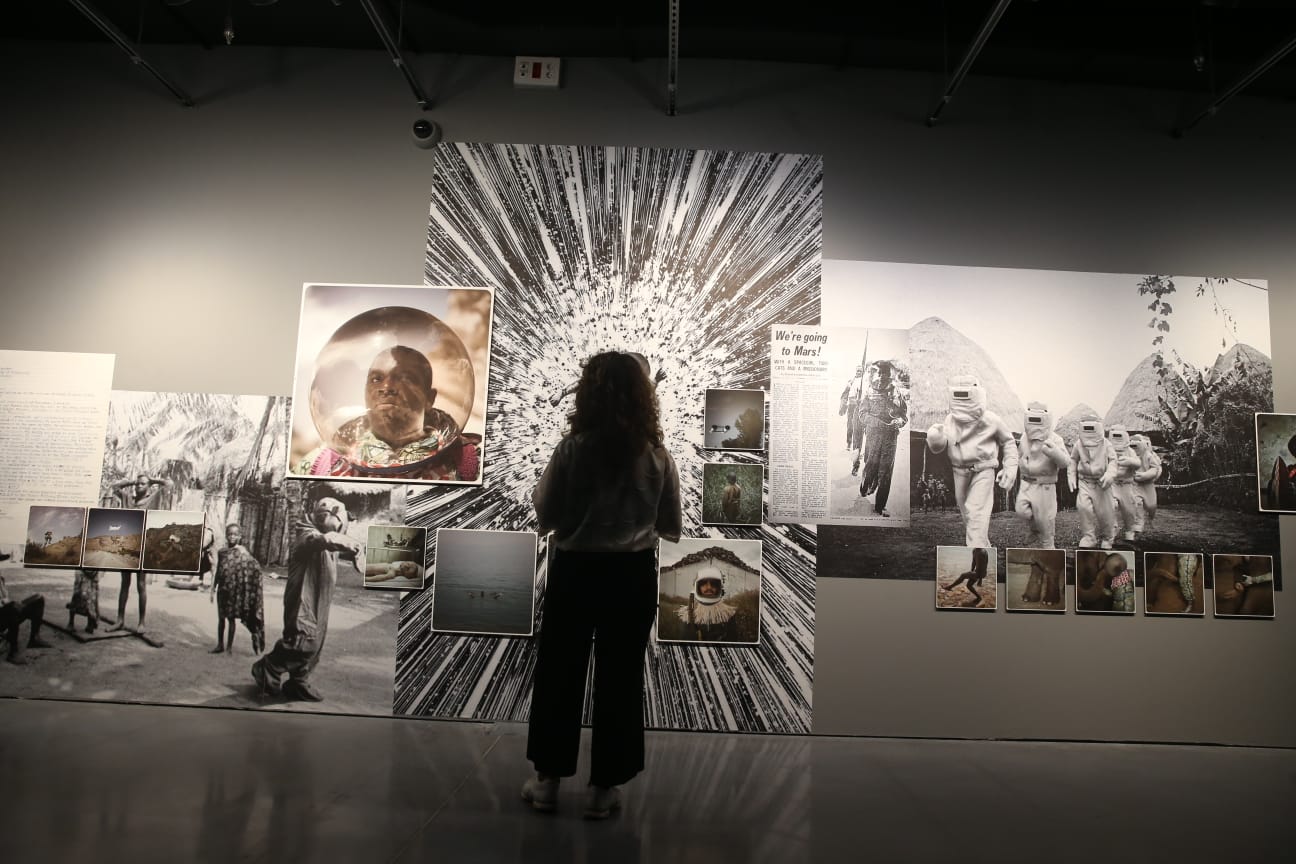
point(609, 492)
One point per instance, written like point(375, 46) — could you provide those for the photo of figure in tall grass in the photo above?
point(731, 493)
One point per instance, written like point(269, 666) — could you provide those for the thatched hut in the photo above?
point(1068, 425)
point(1241, 361)
point(937, 353)
point(677, 579)
point(1136, 406)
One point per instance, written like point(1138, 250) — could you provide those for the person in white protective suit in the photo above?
point(1145, 478)
point(1042, 453)
point(976, 440)
point(1127, 465)
point(1091, 474)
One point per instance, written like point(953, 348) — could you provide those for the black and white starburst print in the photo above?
point(687, 257)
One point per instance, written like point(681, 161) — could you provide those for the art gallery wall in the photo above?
point(178, 240)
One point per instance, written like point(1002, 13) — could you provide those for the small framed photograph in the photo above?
point(114, 539)
point(731, 493)
point(1106, 580)
point(1174, 583)
point(394, 557)
point(1244, 586)
point(1035, 580)
point(967, 578)
point(55, 536)
point(1276, 462)
point(484, 582)
point(173, 540)
point(734, 420)
point(709, 591)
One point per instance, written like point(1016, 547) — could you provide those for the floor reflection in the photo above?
point(93, 781)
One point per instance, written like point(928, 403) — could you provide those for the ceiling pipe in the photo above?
point(1268, 62)
point(982, 36)
point(173, 12)
point(118, 38)
point(672, 58)
point(393, 51)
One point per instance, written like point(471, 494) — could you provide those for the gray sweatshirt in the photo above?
point(615, 514)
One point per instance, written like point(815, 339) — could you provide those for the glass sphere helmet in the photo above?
point(382, 336)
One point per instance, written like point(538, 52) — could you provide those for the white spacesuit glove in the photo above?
point(1006, 477)
point(936, 440)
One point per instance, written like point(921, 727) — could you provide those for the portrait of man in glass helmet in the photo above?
point(394, 393)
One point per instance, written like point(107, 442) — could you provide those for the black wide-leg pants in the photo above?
point(609, 599)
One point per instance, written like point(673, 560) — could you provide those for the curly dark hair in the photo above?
point(616, 409)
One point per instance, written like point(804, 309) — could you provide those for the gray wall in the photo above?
point(178, 240)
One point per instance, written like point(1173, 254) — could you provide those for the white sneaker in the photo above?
point(602, 801)
point(541, 793)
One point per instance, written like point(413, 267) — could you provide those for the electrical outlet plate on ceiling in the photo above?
point(543, 72)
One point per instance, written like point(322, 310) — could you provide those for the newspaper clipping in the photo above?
point(839, 412)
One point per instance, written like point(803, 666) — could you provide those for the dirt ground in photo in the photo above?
point(355, 673)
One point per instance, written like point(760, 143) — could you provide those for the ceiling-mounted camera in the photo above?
point(426, 133)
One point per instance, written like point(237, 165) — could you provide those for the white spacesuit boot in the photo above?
point(1092, 473)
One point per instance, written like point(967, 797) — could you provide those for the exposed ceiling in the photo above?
point(1191, 45)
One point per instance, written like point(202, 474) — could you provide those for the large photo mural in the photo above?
point(1066, 409)
point(687, 257)
point(208, 469)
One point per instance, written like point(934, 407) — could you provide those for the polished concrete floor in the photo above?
point(97, 782)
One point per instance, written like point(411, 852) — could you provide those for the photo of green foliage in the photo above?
point(715, 480)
